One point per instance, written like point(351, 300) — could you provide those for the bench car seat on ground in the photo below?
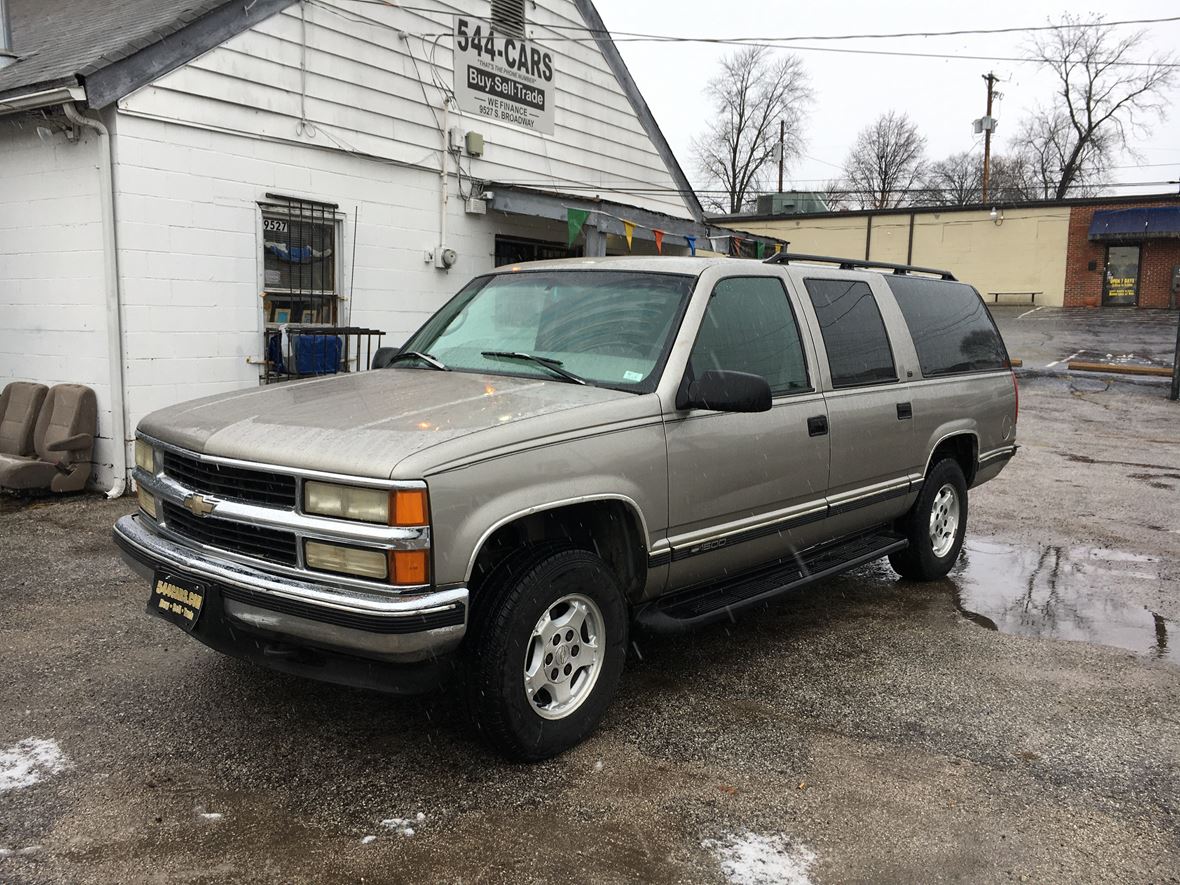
point(63, 442)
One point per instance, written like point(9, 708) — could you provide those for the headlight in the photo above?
point(145, 456)
point(403, 507)
point(347, 560)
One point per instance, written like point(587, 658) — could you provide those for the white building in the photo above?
point(168, 168)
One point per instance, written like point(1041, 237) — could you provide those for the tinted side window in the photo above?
point(749, 327)
point(854, 333)
point(951, 328)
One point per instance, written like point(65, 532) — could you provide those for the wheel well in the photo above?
point(609, 528)
point(964, 448)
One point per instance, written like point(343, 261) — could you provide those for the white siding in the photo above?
point(364, 95)
point(52, 299)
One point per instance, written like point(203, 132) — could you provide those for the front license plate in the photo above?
point(176, 600)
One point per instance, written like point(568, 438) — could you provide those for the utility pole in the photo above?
point(782, 134)
point(989, 125)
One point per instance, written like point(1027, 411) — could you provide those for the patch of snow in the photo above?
point(212, 815)
point(403, 824)
point(29, 849)
point(753, 859)
point(367, 839)
point(26, 763)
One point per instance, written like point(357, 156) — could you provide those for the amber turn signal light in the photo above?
point(409, 566)
point(409, 507)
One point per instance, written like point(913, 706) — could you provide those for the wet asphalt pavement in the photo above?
point(868, 729)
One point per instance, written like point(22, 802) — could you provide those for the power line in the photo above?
point(1098, 23)
point(780, 42)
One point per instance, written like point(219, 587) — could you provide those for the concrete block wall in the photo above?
point(52, 293)
point(191, 249)
point(1083, 287)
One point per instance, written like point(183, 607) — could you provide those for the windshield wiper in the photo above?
point(425, 357)
point(551, 364)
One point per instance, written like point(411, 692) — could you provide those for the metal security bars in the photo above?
point(305, 314)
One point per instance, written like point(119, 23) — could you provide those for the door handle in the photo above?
point(817, 426)
point(905, 411)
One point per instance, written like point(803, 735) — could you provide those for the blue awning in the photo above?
point(1135, 224)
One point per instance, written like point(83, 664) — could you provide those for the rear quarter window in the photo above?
point(951, 328)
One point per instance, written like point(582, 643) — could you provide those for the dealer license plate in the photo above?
point(176, 600)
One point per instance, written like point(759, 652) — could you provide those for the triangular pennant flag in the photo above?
point(659, 235)
point(692, 245)
point(761, 249)
point(574, 219)
point(629, 230)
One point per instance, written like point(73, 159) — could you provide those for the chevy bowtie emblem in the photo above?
point(198, 505)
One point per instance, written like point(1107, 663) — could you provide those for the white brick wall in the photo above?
point(52, 296)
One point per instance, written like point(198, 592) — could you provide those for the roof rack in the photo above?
point(856, 264)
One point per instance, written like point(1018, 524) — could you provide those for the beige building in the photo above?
point(1020, 250)
point(1073, 253)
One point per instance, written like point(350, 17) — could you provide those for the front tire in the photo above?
point(546, 653)
point(935, 525)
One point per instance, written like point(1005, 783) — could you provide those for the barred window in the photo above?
point(300, 262)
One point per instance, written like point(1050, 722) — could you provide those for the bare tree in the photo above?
point(1106, 91)
point(885, 163)
point(1014, 178)
point(956, 180)
point(736, 154)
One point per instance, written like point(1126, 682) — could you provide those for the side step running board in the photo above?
point(719, 600)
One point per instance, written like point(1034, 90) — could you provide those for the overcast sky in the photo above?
point(942, 95)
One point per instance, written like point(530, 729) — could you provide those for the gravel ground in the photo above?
point(863, 730)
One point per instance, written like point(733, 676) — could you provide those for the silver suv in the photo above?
point(567, 451)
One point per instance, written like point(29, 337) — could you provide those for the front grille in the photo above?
point(273, 545)
point(238, 483)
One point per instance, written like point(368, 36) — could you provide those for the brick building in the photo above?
point(1124, 253)
point(1094, 252)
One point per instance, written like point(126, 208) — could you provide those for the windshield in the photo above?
point(610, 328)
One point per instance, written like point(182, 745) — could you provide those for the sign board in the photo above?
point(504, 79)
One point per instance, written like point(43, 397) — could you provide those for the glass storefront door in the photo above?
point(1122, 275)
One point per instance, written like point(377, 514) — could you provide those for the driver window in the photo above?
point(749, 327)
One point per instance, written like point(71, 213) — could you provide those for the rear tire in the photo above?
point(545, 652)
point(935, 525)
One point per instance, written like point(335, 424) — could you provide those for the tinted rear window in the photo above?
point(854, 333)
point(951, 328)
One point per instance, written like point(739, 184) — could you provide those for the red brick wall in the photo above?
point(1083, 287)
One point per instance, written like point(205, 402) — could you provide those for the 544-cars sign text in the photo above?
point(502, 78)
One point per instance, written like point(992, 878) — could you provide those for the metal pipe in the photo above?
point(7, 56)
point(113, 296)
point(443, 172)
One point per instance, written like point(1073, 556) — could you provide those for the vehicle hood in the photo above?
point(364, 424)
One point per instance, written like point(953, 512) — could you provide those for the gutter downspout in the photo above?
point(113, 295)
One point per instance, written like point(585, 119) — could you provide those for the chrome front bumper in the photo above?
point(396, 628)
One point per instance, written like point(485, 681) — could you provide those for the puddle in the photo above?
point(1053, 592)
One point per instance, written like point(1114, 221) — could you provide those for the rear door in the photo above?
point(747, 488)
point(866, 356)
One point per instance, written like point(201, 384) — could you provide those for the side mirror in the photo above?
point(724, 391)
point(383, 357)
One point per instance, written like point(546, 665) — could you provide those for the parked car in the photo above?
point(568, 450)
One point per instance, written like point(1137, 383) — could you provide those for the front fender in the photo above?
point(469, 503)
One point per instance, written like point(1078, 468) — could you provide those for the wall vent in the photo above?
point(508, 17)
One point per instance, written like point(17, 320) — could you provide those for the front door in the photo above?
point(745, 488)
point(1122, 276)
